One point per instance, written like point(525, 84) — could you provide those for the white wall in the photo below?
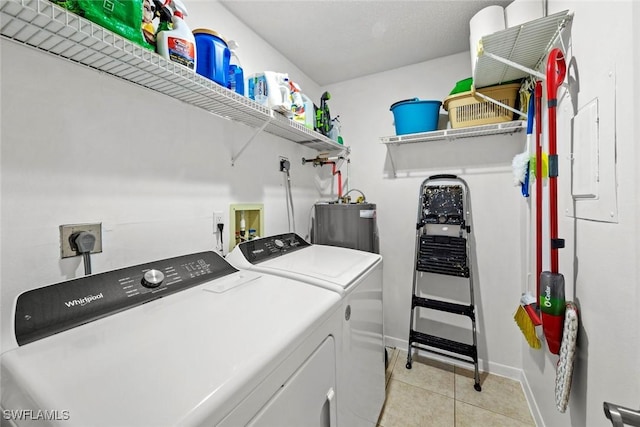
point(600, 261)
point(80, 146)
point(485, 163)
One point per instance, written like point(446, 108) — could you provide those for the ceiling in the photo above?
point(337, 40)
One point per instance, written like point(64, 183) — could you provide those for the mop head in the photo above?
point(527, 327)
point(564, 369)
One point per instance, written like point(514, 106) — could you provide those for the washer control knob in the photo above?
point(279, 243)
point(152, 279)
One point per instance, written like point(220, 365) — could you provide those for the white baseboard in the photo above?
point(533, 406)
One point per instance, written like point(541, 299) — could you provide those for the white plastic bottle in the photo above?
point(178, 44)
point(243, 226)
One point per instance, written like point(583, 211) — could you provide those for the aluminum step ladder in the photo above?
point(442, 248)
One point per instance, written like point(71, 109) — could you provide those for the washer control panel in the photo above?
point(259, 250)
point(51, 309)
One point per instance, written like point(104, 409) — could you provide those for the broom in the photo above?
point(526, 316)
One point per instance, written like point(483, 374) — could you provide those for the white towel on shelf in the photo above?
point(521, 11)
point(487, 21)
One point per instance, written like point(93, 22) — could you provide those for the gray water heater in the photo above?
point(348, 225)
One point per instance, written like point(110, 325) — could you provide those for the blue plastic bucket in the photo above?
point(213, 56)
point(414, 115)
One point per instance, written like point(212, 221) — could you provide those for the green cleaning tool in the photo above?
point(323, 117)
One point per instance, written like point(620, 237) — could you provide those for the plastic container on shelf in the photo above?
point(465, 109)
point(178, 44)
point(132, 19)
point(235, 81)
point(336, 128)
point(415, 115)
point(308, 116)
point(213, 55)
point(462, 86)
point(272, 90)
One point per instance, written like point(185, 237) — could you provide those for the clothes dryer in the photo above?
point(186, 341)
point(357, 277)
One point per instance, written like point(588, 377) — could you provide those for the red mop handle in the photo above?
point(538, 116)
point(556, 70)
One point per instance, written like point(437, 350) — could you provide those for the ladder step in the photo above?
point(444, 344)
point(443, 255)
point(449, 307)
point(448, 270)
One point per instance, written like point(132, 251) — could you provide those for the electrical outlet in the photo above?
point(283, 163)
point(217, 219)
point(66, 249)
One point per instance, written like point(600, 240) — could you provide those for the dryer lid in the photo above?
point(319, 263)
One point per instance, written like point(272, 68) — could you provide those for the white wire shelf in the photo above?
point(50, 28)
point(519, 51)
point(451, 134)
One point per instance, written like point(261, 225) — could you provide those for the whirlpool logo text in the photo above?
point(83, 301)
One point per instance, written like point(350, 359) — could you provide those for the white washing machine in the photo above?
point(357, 277)
point(186, 341)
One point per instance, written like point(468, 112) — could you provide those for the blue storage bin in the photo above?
point(213, 56)
point(415, 115)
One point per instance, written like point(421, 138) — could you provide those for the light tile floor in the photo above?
point(435, 394)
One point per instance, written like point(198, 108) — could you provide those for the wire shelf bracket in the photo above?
point(251, 139)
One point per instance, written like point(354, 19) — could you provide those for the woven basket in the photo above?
point(465, 109)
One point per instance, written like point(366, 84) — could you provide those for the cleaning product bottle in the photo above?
point(178, 44)
point(271, 89)
point(164, 13)
point(297, 103)
point(236, 75)
point(309, 112)
point(243, 226)
point(334, 132)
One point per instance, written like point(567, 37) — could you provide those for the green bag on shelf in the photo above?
point(132, 19)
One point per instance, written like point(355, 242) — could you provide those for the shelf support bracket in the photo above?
point(537, 74)
point(515, 65)
point(235, 157)
point(393, 165)
point(487, 98)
